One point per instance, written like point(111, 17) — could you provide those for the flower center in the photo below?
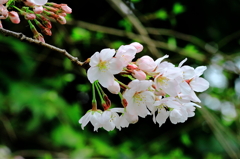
point(161, 80)
point(103, 66)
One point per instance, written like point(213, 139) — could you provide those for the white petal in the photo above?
point(115, 66)
point(182, 62)
point(188, 72)
point(95, 59)
point(199, 70)
point(199, 84)
point(106, 54)
point(106, 79)
point(159, 60)
point(162, 116)
point(93, 74)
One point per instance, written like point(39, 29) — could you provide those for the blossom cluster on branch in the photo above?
point(38, 11)
point(156, 88)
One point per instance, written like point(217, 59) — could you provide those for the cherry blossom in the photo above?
point(139, 97)
point(103, 67)
point(157, 88)
point(92, 116)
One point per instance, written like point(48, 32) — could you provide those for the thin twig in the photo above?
point(30, 40)
point(130, 35)
point(126, 12)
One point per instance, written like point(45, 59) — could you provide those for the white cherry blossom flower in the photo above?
point(110, 118)
point(139, 97)
point(92, 116)
point(162, 114)
point(103, 67)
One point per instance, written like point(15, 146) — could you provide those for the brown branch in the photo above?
point(51, 47)
point(130, 35)
point(126, 12)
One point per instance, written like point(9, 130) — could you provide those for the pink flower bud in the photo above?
point(138, 46)
point(131, 67)
point(66, 8)
point(28, 3)
point(39, 37)
point(139, 74)
point(62, 14)
point(30, 16)
point(14, 17)
point(146, 63)
point(3, 12)
point(47, 31)
point(61, 20)
point(3, 1)
point(38, 9)
point(114, 88)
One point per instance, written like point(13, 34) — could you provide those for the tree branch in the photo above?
point(30, 40)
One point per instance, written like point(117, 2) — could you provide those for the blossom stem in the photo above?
point(94, 101)
point(17, 8)
point(122, 84)
point(99, 91)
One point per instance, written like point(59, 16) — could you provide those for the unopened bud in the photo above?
point(52, 9)
point(53, 4)
point(47, 31)
point(62, 14)
point(44, 21)
point(146, 63)
point(14, 17)
point(138, 46)
point(61, 20)
point(124, 103)
point(30, 16)
point(66, 8)
point(107, 100)
point(139, 74)
point(3, 12)
point(39, 37)
point(38, 9)
point(132, 66)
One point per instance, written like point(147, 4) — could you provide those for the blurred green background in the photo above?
point(43, 94)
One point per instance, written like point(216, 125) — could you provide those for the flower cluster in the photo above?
point(157, 88)
point(38, 11)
